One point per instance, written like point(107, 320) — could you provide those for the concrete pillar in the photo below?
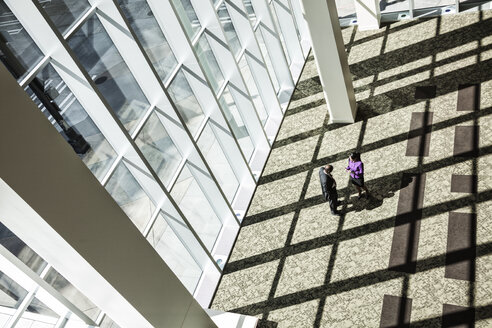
point(51, 201)
point(368, 14)
point(331, 59)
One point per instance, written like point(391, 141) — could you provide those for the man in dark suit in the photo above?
point(329, 187)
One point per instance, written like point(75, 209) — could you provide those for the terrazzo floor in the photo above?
point(295, 265)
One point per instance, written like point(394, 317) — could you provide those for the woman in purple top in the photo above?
point(356, 168)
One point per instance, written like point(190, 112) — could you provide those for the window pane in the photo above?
point(18, 248)
point(158, 149)
point(41, 323)
point(18, 51)
point(230, 31)
point(345, 8)
point(4, 318)
point(268, 61)
point(101, 59)
point(130, 196)
point(72, 294)
point(209, 63)
point(108, 323)
point(419, 4)
point(187, 16)
point(185, 101)
point(392, 6)
point(196, 208)
point(236, 122)
point(39, 307)
point(11, 293)
point(176, 256)
point(64, 13)
point(217, 160)
point(60, 106)
point(253, 90)
point(280, 34)
point(250, 11)
point(149, 33)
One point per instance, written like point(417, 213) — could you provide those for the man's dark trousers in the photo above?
point(332, 199)
point(329, 189)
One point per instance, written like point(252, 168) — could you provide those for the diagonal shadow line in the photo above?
point(316, 200)
point(371, 146)
point(290, 235)
point(398, 28)
point(352, 233)
point(401, 97)
point(481, 313)
point(334, 249)
point(307, 88)
point(425, 48)
point(353, 283)
point(424, 68)
point(351, 42)
point(301, 108)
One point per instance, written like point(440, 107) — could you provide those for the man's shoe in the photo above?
point(335, 213)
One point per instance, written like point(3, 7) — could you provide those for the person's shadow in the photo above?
point(379, 190)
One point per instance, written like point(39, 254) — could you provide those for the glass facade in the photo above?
point(171, 105)
point(168, 106)
point(104, 64)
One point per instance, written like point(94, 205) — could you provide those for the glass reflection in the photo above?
point(280, 33)
point(185, 101)
point(238, 128)
point(130, 196)
point(39, 307)
point(188, 17)
point(101, 59)
point(391, 6)
point(209, 63)
point(18, 52)
point(253, 90)
point(63, 110)
point(18, 248)
point(11, 293)
point(158, 149)
point(149, 33)
point(229, 30)
point(345, 8)
point(217, 160)
point(251, 12)
point(268, 61)
point(72, 294)
point(196, 208)
point(419, 4)
point(64, 13)
point(174, 253)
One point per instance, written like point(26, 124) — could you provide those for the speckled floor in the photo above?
point(295, 265)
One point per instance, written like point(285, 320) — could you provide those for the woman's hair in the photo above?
point(355, 156)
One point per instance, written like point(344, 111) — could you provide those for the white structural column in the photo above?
point(331, 59)
point(51, 201)
point(368, 14)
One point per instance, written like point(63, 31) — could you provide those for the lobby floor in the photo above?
point(419, 250)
